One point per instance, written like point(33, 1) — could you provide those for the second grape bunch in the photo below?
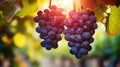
point(80, 27)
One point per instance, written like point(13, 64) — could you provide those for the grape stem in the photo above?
point(50, 3)
point(74, 5)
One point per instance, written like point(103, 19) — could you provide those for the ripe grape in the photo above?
point(80, 28)
point(50, 26)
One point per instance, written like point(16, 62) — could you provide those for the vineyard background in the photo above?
point(20, 43)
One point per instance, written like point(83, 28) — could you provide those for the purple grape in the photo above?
point(85, 28)
point(73, 50)
point(54, 29)
point(48, 46)
point(71, 44)
point(36, 19)
point(77, 45)
point(43, 32)
point(51, 34)
point(93, 18)
point(68, 23)
point(43, 43)
point(91, 40)
point(79, 38)
point(42, 36)
point(81, 22)
point(60, 30)
point(67, 37)
point(66, 31)
point(92, 32)
point(46, 11)
point(85, 43)
point(58, 37)
point(72, 38)
point(79, 31)
point(42, 23)
point(85, 16)
point(89, 24)
point(75, 17)
point(86, 35)
point(38, 29)
point(83, 51)
point(91, 13)
point(54, 44)
point(78, 55)
point(94, 26)
point(72, 31)
point(39, 13)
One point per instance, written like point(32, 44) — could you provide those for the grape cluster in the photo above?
point(50, 26)
point(80, 27)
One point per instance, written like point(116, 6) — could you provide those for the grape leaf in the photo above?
point(9, 9)
point(113, 23)
point(99, 10)
point(28, 8)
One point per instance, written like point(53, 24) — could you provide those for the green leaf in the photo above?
point(99, 10)
point(28, 8)
point(113, 23)
point(8, 8)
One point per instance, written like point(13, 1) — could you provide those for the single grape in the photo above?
point(94, 26)
point(85, 16)
point(77, 45)
point(75, 17)
point(58, 37)
point(43, 43)
point(73, 50)
point(51, 34)
point(79, 31)
point(38, 29)
point(79, 38)
point(67, 37)
point(78, 55)
point(36, 19)
point(39, 13)
point(48, 46)
point(86, 35)
point(68, 23)
point(66, 31)
point(43, 32)
point(46, 11)
point(72, 38)
point(60, 30)
point(91, 40)
point(53, 7)
point(93, 18)
point(42, 23)
point(83, 51)
point(71, 44)
point(81, 22)
point(85, 43)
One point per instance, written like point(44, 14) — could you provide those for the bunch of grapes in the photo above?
point(50, 26)
point(80, 27)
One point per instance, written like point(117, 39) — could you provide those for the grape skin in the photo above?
point(79, 32)
point(50, 26)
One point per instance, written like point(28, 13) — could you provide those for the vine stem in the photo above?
point(74, 5)
point(50, 3)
